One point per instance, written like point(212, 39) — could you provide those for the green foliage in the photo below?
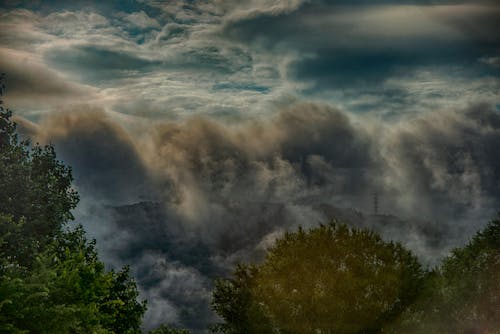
point(462, 296)
point(51, 280)
point(60, 294)
point(233, 301)
point(122, 311)
point(165, 329)
point(68, 291)
point(331, 279)
point(35, 187)
point(471, 276)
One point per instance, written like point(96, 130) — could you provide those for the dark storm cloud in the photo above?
point(448, 158)
point(106, 163)
point(228, 162)
point(204, 172)
point(354, 44)
point(221, 193)
point(333, 68)
point(29, 81)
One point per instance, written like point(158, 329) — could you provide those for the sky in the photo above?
point(200, 131)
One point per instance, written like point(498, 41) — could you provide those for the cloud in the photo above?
point(141, 20)
point(256, 8)
point(30, 82)
point(93, 63)
point(107, 165)
point(362, 57)
point(215, 59)
point(492, 61)
point(178, 294)
point(446, 158)
point(19, 31)
point(70, 24)
point(342, 46)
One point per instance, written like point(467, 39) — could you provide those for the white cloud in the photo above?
point(141, 20)
point(492, 61)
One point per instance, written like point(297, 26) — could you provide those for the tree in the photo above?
point(60, 294)
point(233, 301)
point(330, 279)
point(35, 187)
point(472, 275)
point(51, 280)
point(463, 295)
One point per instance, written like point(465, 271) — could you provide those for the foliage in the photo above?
point(36, 187)
point(232, 300)
point(51, 280)
point(462, 296)
point(330, 279)
point(59, 295)
point(164, 329)
point(68, 291)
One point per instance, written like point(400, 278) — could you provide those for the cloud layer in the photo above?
point(210, 194)
point(233, 60)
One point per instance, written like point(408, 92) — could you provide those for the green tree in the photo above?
point(51, 280)
point(35, 187)
point(463, 295)
point(68, 291)
point(472, 275)
point(233, 301)
point(330, 279)
point(60, 294)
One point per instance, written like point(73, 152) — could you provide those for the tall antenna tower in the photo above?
point(375, 203)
